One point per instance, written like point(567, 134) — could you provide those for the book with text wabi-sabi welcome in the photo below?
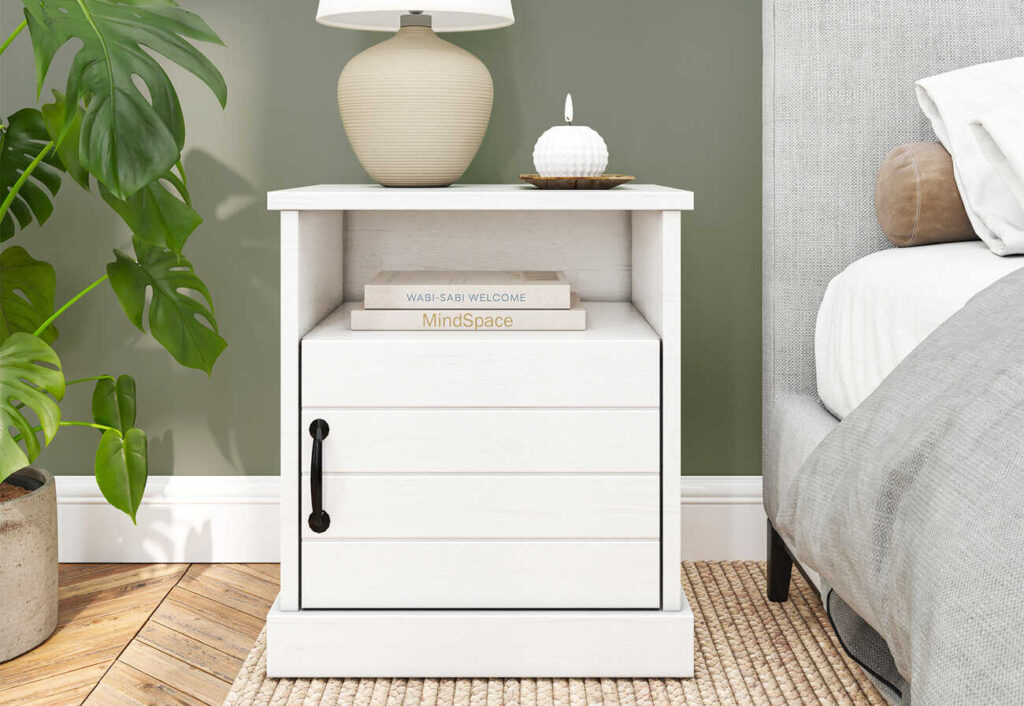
point(467, 290)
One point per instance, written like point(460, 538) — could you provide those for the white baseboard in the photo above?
point(235, 519)
point(723, 518)
point(182, 518)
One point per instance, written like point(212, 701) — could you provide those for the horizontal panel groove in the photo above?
point(494, 475)
point(340, 408)
point(483, 408)
point(484, 540)
point(442, 610)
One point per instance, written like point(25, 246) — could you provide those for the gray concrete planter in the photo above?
point(28, 564)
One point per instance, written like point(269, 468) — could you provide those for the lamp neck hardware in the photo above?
point(415, 18)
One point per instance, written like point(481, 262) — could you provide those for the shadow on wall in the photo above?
point(161, 453)
point(235, 237)
point(504, 135)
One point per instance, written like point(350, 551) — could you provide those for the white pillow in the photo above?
point(1000, 135)
point(952, 101)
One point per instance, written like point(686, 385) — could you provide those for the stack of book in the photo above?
point(469, 301)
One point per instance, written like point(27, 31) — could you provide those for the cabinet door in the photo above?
point(483, 509)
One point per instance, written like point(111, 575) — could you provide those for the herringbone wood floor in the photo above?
point(145, 634)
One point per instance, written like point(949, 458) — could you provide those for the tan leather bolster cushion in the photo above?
point(916, 198)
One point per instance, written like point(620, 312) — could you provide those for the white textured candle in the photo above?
point(570, 150)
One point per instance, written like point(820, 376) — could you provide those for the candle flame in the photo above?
point(568, 108)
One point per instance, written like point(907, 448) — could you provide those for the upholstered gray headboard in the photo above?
point(838, 94)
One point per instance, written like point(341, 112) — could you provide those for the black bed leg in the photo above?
point(780, 566)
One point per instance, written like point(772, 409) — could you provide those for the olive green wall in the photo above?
point(673, 86)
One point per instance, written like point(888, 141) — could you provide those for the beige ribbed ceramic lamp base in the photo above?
point(415, 108)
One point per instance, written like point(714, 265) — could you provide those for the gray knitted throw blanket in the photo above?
point(912, 510)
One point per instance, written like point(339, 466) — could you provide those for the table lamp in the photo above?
point(415, 107)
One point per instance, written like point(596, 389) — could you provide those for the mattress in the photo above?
point(882, 306)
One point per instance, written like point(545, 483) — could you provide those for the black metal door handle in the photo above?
point(319, 520)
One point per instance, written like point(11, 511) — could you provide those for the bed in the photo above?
point(837, 95)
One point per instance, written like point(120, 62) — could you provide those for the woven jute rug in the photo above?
point(748, 651)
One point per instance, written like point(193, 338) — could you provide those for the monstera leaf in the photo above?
point(22, 139)
point(27, 289)
point(156, 214)
point(122, 468)
point(121, 457)
point(159, 213)
point(30, 378)
point(113, 402)
point(128, 139)
point(183, 324)
point(54, 116)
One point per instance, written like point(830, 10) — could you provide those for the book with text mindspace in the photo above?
point(478, 289)
point(571, 319)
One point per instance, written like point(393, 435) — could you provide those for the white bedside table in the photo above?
point(501, 503)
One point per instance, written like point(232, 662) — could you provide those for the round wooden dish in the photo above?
point(605, 181)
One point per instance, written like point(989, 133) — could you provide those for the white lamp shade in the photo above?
point(446, 15)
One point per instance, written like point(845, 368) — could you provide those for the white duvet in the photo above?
point(882, 306)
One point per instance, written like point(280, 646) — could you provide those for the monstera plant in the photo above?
point(117, 130)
